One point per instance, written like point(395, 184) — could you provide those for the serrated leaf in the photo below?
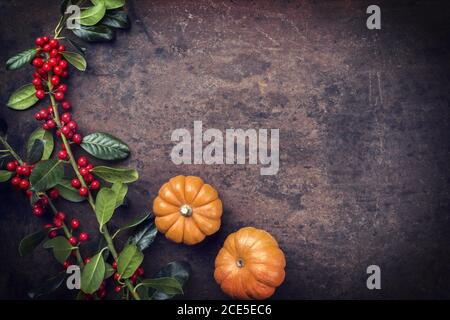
point(116, 19)
point(23, 98)
point(31, 241)
point(20, 59)
point(93, 274)
point(104, 206)
point(97, 33)
point(36, 152)
point(75, 59)
point(66, 191)
point(105, 146)
point(90, 16)
point(46, 174)
point(5, 175)
point(115, 175)
point(49, 285)
point(46, 137)
point(177, 269)
point(120, 189)
point(60, 246)
point(145, 236)
point(167, 285)
point(129, 260)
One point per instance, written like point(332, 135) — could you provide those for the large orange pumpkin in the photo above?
point(250, 265)
point(186, 210)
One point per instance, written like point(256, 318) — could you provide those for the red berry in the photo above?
point(101, 294)
point(95, 185)
point(117, 288)
point(46, 67)
point(83, 191)
point(73, 241)
point(59, 96)
point(74, 223)
point(57, 70)
point(133, 278)
point(87, 260)
point(83, 236)
point(52, 61)
point(54, 80)
point(62, 48)
point(38, 62)
point(26, 171)
point(57, 222)
point(88, 178)
point(116, 276)
point(77, 138)
point(43, 113)
point(52, 234)
point(65, 130)
point(24, 184)
point(75, 183)
point(66, 117)
point(43, 200)
point(53, 193)
point(66, 264)
point(37, 82)
point(40, 94)
point(84, 171)
point(62, 87)
point(65, 105)
point(53, 43)
point(60, 215)
point(89, 167)
point(54, 53)
point(45, 39)
point(11, 166)
point(45, 127)
point(37, 116)
point(72, 125)
point(51, 123)
point(38, 211)
point(62, 154)
point(114, 265)
point(39, 41)
point(46, 48)
point(63, 64)
point(65, 74)
point(82, 161)
point(140, 271)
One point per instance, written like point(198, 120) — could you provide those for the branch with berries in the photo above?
point(44, 179)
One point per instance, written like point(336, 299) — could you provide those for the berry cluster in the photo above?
point(84, 167)
point(50, 68)
point(138, 273)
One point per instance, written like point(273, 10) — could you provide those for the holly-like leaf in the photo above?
point(98, 33)
point(167, 285)
point(36, 152)
point(66, 191)
point(20, 59)
point(115, 175)
point(46, 137)
point(120, 189)
point(75, 59)
point(116, 19)
point(105, 146)
point(60, 246)
point(23, 98)
point(129, 260)
point(49, 285)
point(179, 270)
point(5, 175)
point(93, 274)
point(30, 242)
point(145, 236)
point(46, 174)
point(91, 15)
point(104, 206)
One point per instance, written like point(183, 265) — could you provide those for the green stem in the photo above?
point(10, 149)
point(90, 199)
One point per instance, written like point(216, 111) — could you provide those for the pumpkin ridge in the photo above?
point(195, 198)
point(166, 199)
point(198, 191)
point(175, 192)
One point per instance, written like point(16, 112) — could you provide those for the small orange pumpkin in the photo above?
point(186, 210)
point(250, 265)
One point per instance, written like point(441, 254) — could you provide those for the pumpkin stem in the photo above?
point(186, 210)
point(240, 263)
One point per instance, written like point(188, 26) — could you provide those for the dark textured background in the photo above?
point(363, 118)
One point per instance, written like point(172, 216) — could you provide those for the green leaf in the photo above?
point(46, 174)
point(105, 205)
point(120, 189)
point(177, 269)
point(133, 223)
point(145, 236)
point(5, 175)
point(111, 4)
point(129, 260)
point(61, 248)
point(46, 137)
point(105, 146)
point(75, 59)
point(77, 46)
point(115, 175)
point(31, 241)
point(116, 19)
point(170, 286)
point(23, 98)
point(48, 286)
point(90, 16)
point(109, 271)
point(20, 59)
point(93, 274)
point(36, 152)
point(66, 191)
point(95, 33)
